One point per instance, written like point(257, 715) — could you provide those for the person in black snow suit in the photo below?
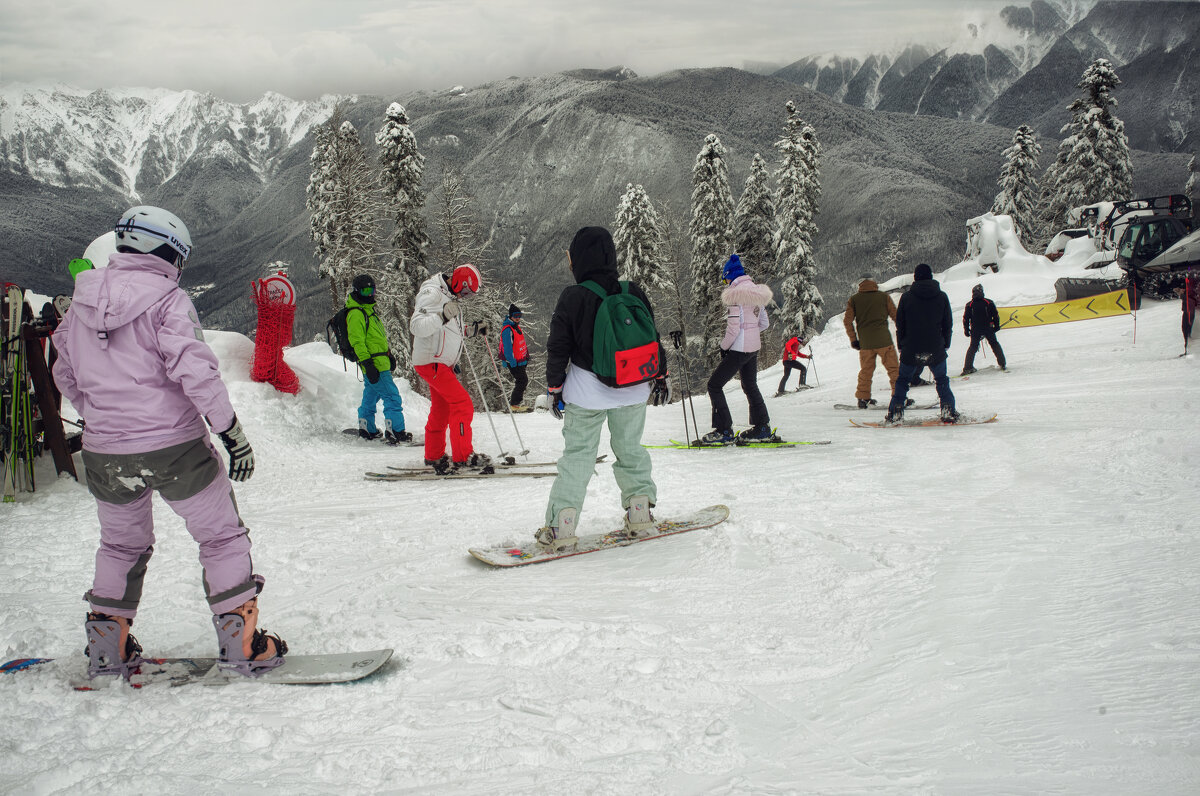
point(980, 320)
point(924, 324)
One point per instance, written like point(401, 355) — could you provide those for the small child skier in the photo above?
point(438, 333)
point(585, 401)
point(791, 355)
point(134, 364)
point(368, 336)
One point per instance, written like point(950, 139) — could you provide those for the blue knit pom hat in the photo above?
point(733, 268)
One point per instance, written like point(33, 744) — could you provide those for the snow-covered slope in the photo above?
point(1006, 608)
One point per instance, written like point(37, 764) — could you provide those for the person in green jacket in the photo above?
point(369, 339)
point(866, 322)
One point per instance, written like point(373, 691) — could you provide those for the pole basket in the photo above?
point(276, 300)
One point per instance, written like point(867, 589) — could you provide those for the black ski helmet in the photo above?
point(363, 289)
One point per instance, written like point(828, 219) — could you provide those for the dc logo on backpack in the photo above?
point(624, 339)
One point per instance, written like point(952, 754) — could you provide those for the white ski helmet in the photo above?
point(146, 229)
point(99, 250)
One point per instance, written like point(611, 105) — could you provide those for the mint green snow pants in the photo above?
point(581, 434)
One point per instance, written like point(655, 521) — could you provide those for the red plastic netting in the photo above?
point(276, 300)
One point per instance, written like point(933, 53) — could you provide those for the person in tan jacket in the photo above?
point(866, 321)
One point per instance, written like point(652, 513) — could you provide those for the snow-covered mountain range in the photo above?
point(548, 154)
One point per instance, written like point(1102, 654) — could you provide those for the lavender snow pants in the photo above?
point(192, 480)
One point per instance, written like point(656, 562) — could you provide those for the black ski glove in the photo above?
point(857, 346)
point(370, 372)
point(660, 395)
point(241, 455)
point(556, 402)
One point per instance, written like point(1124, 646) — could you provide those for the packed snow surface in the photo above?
point(1006, 608)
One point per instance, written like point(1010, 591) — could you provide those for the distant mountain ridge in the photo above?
point(1027, 75)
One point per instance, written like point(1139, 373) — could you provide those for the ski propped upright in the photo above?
point(519, 555)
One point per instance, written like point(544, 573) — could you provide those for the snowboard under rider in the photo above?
point(866, 322)
point(514, 356)
point(924, 325)
point(791, 361)
point(585, 402)
point(368, 336)
point(134, 364)
point(981, 320)
point(745, 321)
point(438, 333)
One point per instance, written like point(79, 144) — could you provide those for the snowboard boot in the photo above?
point(908, 402)
point(439, 464)
point(718, 436)
point(244, 649)
point(519, 410)
point(756, 434)
point(638, 519)
point(864, 403)
point(395, 437)
point(559, 537)
point(950, 414)
point(781, 392)
point(893, 418)
point(366, 433)
point(967, 371)
point(111, 648)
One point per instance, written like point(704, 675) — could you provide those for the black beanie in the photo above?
point(513, 309)
point(922, 271)
point(593, 250)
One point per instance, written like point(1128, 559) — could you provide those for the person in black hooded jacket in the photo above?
point(981, 320)
point(924, 324)
point(585, 402)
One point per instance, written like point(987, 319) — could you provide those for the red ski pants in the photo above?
point(451, 408)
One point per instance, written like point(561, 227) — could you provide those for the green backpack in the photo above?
point(624, 339)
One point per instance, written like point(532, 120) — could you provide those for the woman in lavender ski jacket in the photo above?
point(745, 321)
point(134, 364)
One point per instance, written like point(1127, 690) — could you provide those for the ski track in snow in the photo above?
point(1007, 608)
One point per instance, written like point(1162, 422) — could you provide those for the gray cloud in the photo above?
point(238, 50)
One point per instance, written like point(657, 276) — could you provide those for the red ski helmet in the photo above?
point(465, 278)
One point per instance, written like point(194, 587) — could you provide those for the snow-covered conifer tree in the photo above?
point(1018, 197)
point(638, 237)
point(343, 200)
point(711, 231)
point(1093, 162)
point(799, 192)
point(402, 169)
point(754, 222)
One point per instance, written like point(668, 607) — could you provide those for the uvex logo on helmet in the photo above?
point(145, 229)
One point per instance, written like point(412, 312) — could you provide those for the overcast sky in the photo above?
point(305, 48)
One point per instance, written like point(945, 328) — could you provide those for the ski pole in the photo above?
point(677, 342)
point(483, 398)
point(812, 361)
point(496, 369)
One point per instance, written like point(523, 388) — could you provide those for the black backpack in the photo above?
point(336, 330)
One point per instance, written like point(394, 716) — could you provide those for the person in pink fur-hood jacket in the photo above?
point(745, 321)
point(134, 364)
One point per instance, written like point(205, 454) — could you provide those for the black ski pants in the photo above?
point(746, 366)
point(788, 366)
point(522, 379)
point(990, 336)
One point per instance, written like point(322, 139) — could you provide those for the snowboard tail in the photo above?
point(928, 422)
point(531, 553)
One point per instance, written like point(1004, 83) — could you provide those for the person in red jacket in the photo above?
point(791, 355)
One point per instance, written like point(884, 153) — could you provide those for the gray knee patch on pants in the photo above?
point(177, 473)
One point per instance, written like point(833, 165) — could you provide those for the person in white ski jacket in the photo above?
point(438, 333)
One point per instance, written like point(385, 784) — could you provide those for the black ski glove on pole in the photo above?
point(241, 455)
point(556, 402)
point(660, 395)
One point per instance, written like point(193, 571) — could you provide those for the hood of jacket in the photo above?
point(594, 257)
point(369, 309)
point(868, 286)
point(109, 298)
point(743, 291)
point(926, 289)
